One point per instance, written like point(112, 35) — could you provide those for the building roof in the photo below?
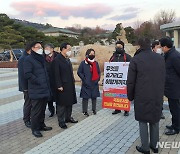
point(59, 30)
point(170, 26)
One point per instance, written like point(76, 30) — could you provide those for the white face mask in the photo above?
point(68, 53)
point(159, 51)
point(40, 51)
point(47, 52)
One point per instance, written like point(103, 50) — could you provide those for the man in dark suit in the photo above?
point(38, 88)
point(64, 85)
point(145, 85)
point(23, 87)
point(172, 84)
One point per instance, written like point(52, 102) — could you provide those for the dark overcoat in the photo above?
point(172, 84)
point(36, 74)
point(145, 85)
point(89, 88)
point(63, 77)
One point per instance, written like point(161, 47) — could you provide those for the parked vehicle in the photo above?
point(6, 55)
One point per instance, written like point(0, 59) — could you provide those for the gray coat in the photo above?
point(89, 88)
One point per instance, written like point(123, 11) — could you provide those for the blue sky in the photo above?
point(105, 13)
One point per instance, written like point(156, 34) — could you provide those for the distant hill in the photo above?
point(38, 26)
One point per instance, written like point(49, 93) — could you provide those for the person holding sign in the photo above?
point(89, 73)
point(145, 85)
point(120, 56)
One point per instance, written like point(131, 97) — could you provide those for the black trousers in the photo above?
point(50, 105)
point(64, 113)
point(85, 104)
point(38, 114)
point(174, 107)
point(27, 107)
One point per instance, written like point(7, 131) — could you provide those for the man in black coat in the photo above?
point(172, 84)
point(38, 88)
point(120, 56)
point(23, 87)
point(50, 55)
point(145, 85)
point(64, 85)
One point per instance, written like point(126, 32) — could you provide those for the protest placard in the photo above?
point(114, 86)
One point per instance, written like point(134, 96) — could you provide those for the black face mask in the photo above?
point(91, 57)
point(119, 50)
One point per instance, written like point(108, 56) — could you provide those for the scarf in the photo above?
point(49, 59)
point(93, 69)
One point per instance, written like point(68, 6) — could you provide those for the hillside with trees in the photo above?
point(15, 33)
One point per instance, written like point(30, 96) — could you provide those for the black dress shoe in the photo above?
point(139, 149)
point(169, 127)
point(37, 133)
point(27, 124)
point(63, 125)
point(155, 150)
point(52, 111)
point(171, 132)
point(71, 121)
point(86, 114)
point(46, 128)
point(94, 112)
point(116, 112)
point(126, 113)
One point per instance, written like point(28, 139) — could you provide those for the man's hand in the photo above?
point(60, 89)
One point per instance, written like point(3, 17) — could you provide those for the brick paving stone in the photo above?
point(111, 146)
point(105, 151)
point(124, 149)
point(103, 123)
point(98, 143)
point(114, 150)
point(120, 152)
point(97, 151)
point(121, 133)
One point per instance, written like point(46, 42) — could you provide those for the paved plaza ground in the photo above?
point(103, 133)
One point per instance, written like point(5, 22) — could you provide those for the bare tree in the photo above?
point(77, 26)
point(137, 24)
point(164, 17)
point(151, 28)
